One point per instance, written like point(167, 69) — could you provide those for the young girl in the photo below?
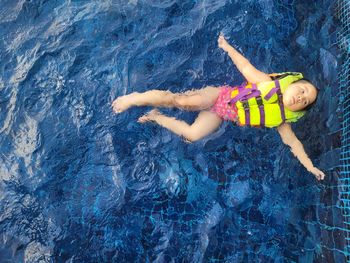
point(273, 100)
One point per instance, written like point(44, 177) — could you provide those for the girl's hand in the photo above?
point(223, 43)
point(318, 173)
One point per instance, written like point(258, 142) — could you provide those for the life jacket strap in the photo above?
point(261, 110)
point(246, 112)
point(245, 94)
point(270, 94)
point(280, 100)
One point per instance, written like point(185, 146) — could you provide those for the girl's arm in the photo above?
point(289, 138)
point(251, 74)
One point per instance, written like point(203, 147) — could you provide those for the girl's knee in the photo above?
point(193, 135)
point(180, 101)
point(162, 98)
point(188, 101)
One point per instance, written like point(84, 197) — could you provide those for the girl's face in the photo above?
point(298, 95)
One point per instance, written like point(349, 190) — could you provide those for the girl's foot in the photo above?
point(150, 116)
point(124, 102)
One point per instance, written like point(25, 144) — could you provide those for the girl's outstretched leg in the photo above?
point(197, 100)
point(193, 100)
point(206, 123)
point(157, 98)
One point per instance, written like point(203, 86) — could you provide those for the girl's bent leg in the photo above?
point(206, 123)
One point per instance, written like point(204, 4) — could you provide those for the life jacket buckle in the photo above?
point(259, 101)
point(245, 105)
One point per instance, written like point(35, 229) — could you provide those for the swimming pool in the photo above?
point(80, 184)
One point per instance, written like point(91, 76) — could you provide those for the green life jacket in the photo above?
point(261, 105)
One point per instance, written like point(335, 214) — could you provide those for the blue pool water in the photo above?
point(80, 184)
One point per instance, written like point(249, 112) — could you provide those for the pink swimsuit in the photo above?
point(222, 106)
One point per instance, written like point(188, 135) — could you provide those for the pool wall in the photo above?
point(343, 13)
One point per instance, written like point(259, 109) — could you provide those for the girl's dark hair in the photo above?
point(308, 107)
